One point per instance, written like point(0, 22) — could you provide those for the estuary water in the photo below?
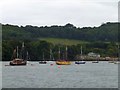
point(35, 75)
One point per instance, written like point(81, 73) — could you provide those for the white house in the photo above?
point(91, 54)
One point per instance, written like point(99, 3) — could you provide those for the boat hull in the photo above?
point(80, 62)
point(95, 62)
point(18, 62)
point(63, 62)
point(15, 64)
point(43, 62)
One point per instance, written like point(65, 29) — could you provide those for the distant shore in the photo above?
point(85, 59)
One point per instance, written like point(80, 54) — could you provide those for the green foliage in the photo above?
point(101, 40)
point(63, 41)
point(105, 32)
point(36, 49)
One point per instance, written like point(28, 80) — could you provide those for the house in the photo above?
point(91, 54)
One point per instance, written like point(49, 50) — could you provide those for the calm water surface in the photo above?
point(35, 75)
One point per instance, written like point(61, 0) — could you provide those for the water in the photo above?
point(90, 75)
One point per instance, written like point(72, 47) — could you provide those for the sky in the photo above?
point(81, 13)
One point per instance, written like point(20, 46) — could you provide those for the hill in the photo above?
point(105, 32)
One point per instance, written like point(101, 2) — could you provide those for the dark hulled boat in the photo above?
point(43, 62)
point(17, 59)
point(80, 62)
point(17, 62)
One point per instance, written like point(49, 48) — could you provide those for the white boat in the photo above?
point(43, 62)
point(80, 62)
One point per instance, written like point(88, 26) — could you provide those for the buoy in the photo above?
point(58, 66)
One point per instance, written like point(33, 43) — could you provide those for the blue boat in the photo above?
point(80, 62)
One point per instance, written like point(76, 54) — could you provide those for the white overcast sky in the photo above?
point(81, 13)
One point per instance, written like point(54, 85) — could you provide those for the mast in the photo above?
point(43, 56)
point(23, 45)
point(81, 53)
point(118, 51)
point(23, 51)
point(66, 53)
point(17, 51)
point(59, 54)
point(50, 54)
point(27, 55)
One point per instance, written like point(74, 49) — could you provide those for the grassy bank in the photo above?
point(63, 41)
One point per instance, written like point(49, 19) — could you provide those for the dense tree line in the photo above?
point(101, 39)
point(105, 32)
point(36, 49)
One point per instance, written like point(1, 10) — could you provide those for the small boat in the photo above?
point(63, 61)
point(19, 60)
point(95, 61)
point(43, 62)
point(80, 62)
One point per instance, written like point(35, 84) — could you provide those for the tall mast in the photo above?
point(50, 54)
point(43, 56)
point(59, 53)
point(81, 52)
point(17, 51)
point(22, 51)
point(23, 45)
point(118, 51)
point(66, 53)
point(27, 55)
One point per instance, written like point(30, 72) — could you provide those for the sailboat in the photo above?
point(17, 59)
point(64, 61)
point(43, 62)
point(80, 62)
